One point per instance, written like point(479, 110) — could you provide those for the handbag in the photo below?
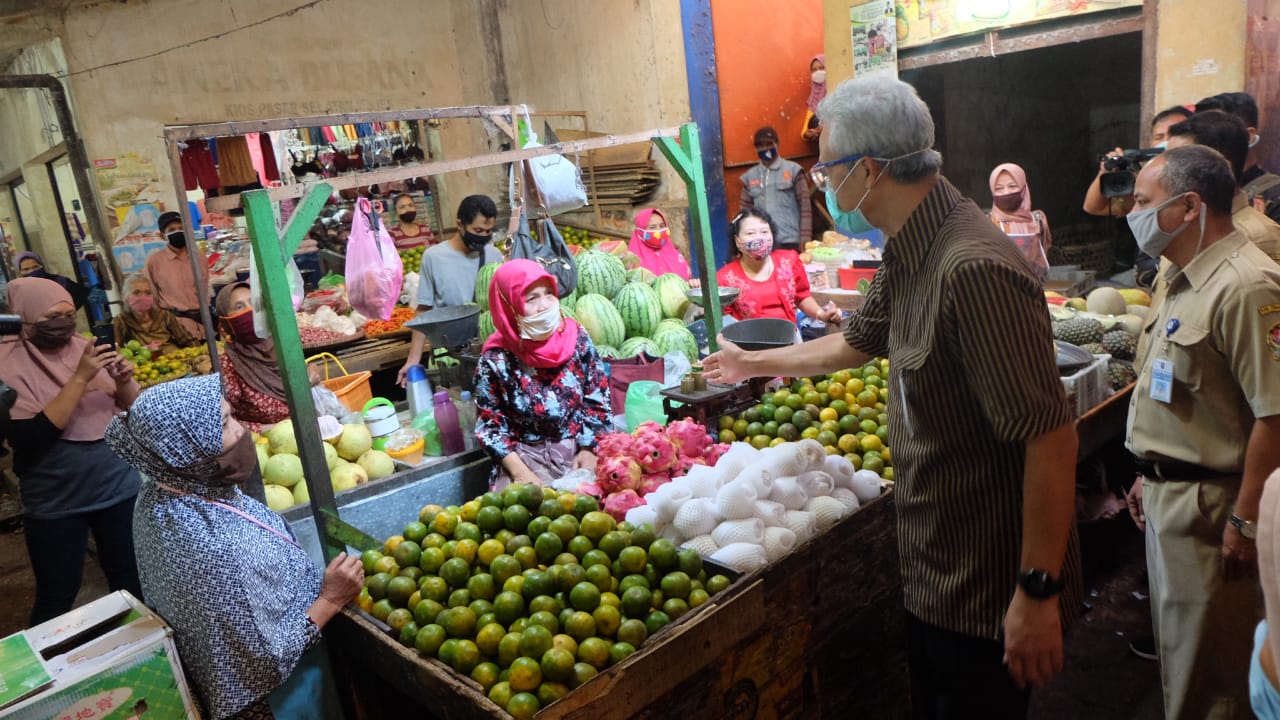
point(624, 371)
point(549, 250)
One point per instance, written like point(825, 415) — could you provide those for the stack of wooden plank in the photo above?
point(623, 175)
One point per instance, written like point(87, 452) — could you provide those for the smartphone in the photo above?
point(104, 335)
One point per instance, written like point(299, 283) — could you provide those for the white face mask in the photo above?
point(539, 327)
point(819, 77)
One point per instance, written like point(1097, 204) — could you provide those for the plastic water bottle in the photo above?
point(446, 415)
point(467, 420)
point(419, 390)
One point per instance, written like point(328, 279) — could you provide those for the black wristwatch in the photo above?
point(1039, 584)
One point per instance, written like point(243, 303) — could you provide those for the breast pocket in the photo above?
point(1186, 349)
point(785, 181)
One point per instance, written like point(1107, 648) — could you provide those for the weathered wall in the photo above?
point(1200, 49)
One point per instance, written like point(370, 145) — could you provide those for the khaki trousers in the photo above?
point(1203, 624)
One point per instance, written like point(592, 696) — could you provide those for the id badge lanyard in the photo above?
point(1162, 368)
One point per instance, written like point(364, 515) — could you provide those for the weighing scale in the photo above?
point(452, 331)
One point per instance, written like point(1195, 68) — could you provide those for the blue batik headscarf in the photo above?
point(235, 593)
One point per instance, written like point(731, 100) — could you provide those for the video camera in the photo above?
point(1122, 171)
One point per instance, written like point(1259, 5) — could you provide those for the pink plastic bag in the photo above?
point(374, 272)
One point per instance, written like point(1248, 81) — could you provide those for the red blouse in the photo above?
point(252, 408)
point(777, 297)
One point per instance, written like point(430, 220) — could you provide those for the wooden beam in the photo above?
point(226, 129)
point(386, 175)
point(1011, 40)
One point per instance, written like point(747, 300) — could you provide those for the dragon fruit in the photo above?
point(655, 452)
point(617, 473)
point(620, 502)
point(611, 445)
point(690, 438)
point(713, 453)
point(649, 483)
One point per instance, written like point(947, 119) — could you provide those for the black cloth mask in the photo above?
point(177, 238)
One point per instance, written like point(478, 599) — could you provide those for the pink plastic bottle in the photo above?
point(446, 414)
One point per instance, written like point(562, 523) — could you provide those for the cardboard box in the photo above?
point(113, 659)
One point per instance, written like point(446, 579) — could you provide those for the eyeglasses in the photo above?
point(821, 178)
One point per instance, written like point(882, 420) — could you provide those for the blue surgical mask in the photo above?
point(1145, 225)
point(850, 221)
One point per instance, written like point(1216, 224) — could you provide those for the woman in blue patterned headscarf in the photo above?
point(244, 600)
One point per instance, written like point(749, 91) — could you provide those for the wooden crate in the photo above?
point(821, 633)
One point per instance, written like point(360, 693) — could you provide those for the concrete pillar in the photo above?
point(1199, 50)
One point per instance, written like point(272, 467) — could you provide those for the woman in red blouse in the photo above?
point(773, 282)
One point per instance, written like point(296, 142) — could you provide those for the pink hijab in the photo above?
point(1023, 213)
point(506, 301)
point(1027, 228)
point(661, 260)
point(816, 91)
point(39, 375)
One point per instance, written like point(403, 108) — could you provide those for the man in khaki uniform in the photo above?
point(1204, 427)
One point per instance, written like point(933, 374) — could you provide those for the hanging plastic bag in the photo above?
point(296, 292)
point(556, 180)
point(644, 403)
point(374, 272)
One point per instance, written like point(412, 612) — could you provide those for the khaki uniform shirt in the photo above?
point(972, 376)
point(1219, 324)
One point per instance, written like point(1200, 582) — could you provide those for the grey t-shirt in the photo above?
point(449, 277)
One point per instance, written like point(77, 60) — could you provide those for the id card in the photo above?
point(1162, 381)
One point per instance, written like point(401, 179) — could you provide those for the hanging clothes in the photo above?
point(199, 169)
point(235, 167)
point(270, 170)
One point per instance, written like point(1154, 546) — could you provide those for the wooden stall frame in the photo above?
point(271, 252)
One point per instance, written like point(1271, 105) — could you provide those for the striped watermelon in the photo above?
point(636, 345)
point(607, 352)
point(631, 261)
point(641, 312)
point(671, 289)
point(485, 326)
point(569, 300)
point(641, 274)
point(568, 312)
point(601, 320)
point(672, 336)
point(600, 273)
point(483, 278)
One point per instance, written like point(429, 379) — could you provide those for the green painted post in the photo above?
point(686, 157)
point(270, 254)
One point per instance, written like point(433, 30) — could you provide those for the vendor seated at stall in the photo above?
point(147, 323)
point(406, 233)
point(449, 270)
point(245, 602)
point(774, 283)
point(250, 374)
point(651, 242)
point(542, 397)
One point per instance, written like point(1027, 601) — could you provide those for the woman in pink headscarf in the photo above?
point(651, 240)
point(817, 91)
point(542, 396)
point(71, 482)
point(1011, 210)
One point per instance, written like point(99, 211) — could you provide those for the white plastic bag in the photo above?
point(296, 293)
point(557, 181)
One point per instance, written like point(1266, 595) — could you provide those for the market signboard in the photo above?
point(920, 22)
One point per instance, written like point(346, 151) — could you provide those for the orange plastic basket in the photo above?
point(353, 390)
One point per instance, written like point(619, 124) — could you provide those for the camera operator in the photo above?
point(1262, 187)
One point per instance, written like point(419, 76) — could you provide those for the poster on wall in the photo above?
point(920, 22)
point(874, 29)
point(130, 189)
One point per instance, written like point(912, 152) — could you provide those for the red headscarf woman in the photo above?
point(542, 397)
point(1011, 210)
point(651, 240)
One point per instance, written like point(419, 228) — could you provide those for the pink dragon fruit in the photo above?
point(592, 489)
point(713, 453)
point(620, 502)
point(654, 450)
point(690, 438)
point(683, 463)
point(611, 445)
point(649, 483)
point(617, 473)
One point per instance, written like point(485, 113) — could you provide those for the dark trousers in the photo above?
point(956, 676)
point(57, 548)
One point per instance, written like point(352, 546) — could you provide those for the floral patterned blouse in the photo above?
point(777, 297)
point(252, 408)
point(516, 403)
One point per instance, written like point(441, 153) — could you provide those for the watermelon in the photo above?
point(636, 345)
point(616, 248)
point(568, 312)
point(601, 320)
point(641, 274)
point(631, 261)
point(600, 273)
point(483, 278)
point(672, 289)
point(485, 326)
point(672, 336)
point(607, 352)
point(638, 305)
point(569, 300)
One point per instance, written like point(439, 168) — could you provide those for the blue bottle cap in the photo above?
point(416, 373)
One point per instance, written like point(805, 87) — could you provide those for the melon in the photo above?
point(636, 345)
point(1139, 310)
point(1136, 296)
point(672, 336)
point(483, 279)
point(1131, 324)
point(672, 294)
point(607, 352)
point(600, 319)
point(638, 305)
point(616, 248)
point(284, 470)
point(630, 260)
point(600, 274)
point(1106, 301)
point(301, 494)
point(346, 476)
point(484, 325)
point(377, 464)
point(641, 274)
point(568, 312)
point(281, 438)
point(355, 441)
point(279, 498)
